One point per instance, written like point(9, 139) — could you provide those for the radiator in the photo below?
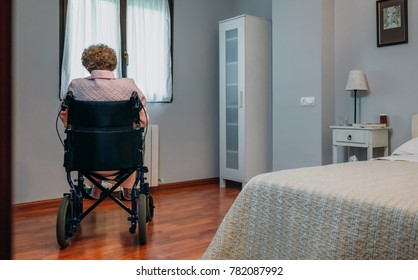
point(151, 155)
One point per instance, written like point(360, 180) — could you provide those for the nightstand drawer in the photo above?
point(350, 136)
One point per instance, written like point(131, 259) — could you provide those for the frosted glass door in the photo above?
point(244, 98)
point(232, 99)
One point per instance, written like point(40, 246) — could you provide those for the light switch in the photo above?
point(307, 101)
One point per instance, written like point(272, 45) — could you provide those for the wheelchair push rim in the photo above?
point(150, 208)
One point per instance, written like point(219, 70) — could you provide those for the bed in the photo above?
point(354, 210)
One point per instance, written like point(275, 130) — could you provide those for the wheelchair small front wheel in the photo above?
point(142, 218)
point(63, 226)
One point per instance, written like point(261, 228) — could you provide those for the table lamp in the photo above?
point(356, 81)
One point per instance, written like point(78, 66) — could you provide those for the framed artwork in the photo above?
point(392, 22)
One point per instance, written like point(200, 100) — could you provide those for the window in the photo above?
point(138, 30)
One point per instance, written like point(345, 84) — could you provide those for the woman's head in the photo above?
point(99, 57)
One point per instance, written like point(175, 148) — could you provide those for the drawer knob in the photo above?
point(349, 137)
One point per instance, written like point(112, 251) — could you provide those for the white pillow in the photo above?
point(408, 148)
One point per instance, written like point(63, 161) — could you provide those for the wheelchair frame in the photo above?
point(71, 210)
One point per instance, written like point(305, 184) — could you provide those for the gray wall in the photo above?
point(391, 71)
point(259, 8)
point(188, 126)
point(302, 67)
point(38, 171)
point(315, 45)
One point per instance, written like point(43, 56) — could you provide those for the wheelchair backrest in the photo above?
point(103, 135)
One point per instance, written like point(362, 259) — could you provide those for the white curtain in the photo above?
point(148, 45)
point(89, 22)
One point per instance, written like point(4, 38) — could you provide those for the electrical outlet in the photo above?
point(307, 101)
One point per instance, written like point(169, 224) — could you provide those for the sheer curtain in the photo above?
point(148, 39)
point(89, 22)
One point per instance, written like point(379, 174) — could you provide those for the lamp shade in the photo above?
point(356, 81)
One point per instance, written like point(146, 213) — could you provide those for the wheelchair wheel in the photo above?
point(142, 218)
point(63, 226)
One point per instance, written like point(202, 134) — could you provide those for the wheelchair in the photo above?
point(103, 136)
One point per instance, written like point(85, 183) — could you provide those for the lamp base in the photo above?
point(355, 106)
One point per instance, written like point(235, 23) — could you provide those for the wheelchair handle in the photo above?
point(69, 96)
point(138, 103)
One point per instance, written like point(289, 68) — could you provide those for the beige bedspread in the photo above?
point(359, 210)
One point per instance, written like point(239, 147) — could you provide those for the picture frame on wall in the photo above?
point(392, 22)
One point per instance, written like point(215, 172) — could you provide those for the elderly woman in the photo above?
point(100, 61)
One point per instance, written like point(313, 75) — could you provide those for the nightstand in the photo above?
point(363, 137)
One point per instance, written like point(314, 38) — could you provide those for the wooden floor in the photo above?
point(185, 221)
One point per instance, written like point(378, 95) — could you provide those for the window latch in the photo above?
point(126, 56)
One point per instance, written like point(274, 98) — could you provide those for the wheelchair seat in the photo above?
point(103, 136)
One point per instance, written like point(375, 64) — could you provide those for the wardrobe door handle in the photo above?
point(349, 137)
